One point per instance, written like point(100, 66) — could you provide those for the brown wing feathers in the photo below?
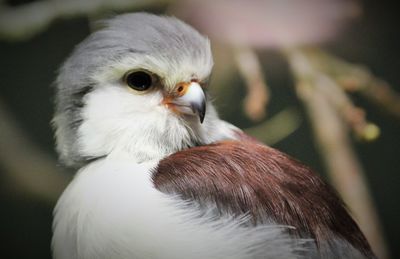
point(245, 177)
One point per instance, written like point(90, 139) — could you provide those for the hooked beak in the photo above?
point(187, 98)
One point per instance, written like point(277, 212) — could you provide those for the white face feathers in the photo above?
point(136, 86)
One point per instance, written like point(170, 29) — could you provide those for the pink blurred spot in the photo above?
point(269, 23)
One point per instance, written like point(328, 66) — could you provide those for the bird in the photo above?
point(160, 175)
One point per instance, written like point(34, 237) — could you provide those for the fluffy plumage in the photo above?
point(162, 45)
point(247, 177)
point(155, 182)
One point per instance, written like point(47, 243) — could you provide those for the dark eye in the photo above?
point(139, 80)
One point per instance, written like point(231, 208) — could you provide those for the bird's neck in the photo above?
point(154, 149)
point(142, 136)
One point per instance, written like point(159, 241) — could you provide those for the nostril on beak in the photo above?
point(181, 89)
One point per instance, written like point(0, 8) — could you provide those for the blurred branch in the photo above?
point(357, 78)
point(277, 128)
point(25, 21)
point(258, 94)
point(335, 146)
point(352, 115)
point(28, 170)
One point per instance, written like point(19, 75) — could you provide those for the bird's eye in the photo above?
point(139, 80)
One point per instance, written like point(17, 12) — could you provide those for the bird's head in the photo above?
point(137, 86)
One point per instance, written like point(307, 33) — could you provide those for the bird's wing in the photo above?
point(239, 177)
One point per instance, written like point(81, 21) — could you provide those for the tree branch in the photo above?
point(258, 94)
point(357, 78)
point(334, 144)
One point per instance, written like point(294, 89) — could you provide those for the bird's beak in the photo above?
point(187, 98)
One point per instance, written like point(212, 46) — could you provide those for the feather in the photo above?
point(249, 178)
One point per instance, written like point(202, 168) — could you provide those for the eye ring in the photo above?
point(139, 80)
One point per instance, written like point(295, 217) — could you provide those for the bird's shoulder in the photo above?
point(247, 177)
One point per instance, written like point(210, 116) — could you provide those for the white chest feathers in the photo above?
point(112, 210)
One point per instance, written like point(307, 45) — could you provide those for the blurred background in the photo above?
point(317, 79)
